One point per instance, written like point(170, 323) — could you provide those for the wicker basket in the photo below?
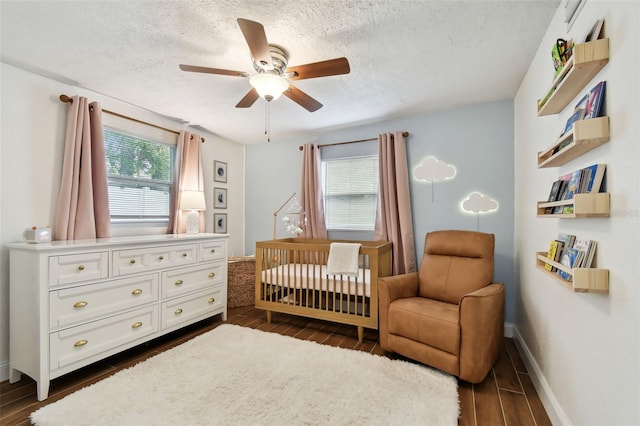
point(241, 290)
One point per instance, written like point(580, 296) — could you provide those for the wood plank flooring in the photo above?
point(505, 397)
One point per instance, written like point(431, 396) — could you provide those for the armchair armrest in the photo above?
point(481, 316)
point(389, 289)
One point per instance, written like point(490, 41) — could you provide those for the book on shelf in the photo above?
point(568, 240)
point(588, 247)
point(573, 186)
point(570, 258)
point(592, 178)
point(577, 115)
point(554, 253)
point(593, 108)
point(556, 189)
point(596, 32)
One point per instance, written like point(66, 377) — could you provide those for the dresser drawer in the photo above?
point(184, 280)
point(75, 344)
point(213, 250)
point(78, 304)
point(74, 268)
point(193, 307)
point(150, 258)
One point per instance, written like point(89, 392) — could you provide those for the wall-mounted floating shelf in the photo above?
point(585, 136)
point(584, 205)
point(585, 280)
point(586, 61)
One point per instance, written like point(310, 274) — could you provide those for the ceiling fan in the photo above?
point(273, 77)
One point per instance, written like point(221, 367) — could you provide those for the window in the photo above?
point(350, 193)
point(140, 175)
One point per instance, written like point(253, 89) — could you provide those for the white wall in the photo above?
point(32, 130)
point(583, 348)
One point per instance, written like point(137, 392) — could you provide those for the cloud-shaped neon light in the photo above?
point(431, 169)
point(478, 203)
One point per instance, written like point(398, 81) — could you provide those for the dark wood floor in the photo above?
point(506, 397)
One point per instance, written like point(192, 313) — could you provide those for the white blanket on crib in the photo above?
point(343, 259)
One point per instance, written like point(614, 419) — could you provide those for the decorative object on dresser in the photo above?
point(194, 202)
point(235, 375)
point(76, 302)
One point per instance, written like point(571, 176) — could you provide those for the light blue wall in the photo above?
point(477, 140)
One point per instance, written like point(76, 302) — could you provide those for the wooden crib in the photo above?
point(291, 278)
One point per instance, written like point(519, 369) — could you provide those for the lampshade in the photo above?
point(269, 86)
point(192, 200)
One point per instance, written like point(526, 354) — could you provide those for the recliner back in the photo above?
point(455, 263)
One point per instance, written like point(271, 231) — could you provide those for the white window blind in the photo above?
point(350, 193)
point(140, 175)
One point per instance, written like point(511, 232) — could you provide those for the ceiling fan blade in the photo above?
point(257, 40)
point(319, 69)
point(249, 99)
point(302, 99)
point(195, 68)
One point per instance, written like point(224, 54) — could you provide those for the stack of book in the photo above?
point(571, 252)
point(587, 180)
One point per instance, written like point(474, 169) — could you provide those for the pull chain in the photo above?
point(267, 121)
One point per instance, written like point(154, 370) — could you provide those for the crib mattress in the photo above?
point(315, 277)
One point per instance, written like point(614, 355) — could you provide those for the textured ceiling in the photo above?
point(405, 56)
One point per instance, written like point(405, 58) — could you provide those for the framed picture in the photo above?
point(219, 198)
point(219, 171)
point(220, 223)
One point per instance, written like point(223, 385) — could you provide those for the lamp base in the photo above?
point(193, 222)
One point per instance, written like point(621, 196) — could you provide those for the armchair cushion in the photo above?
point(455, 263)
point(426, 321)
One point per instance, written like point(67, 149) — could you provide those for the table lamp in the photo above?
point(192, 201)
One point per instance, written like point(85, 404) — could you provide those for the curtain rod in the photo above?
point(405, 134)
point(67, 99)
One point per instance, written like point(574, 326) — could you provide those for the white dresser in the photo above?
point(76, 302)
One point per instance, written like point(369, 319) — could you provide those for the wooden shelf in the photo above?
point(584, 205)
point(585, 136)
point(586, 61)
point(584, 280)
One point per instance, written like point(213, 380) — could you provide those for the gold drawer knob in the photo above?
point(80, 343)
point(178, 311)
point(136, 325)
point(136, 292)
point(81, 268)
point(132, 261)
point(80, 304)
point(179, 282)
point(160, 257)
point(212, 274)
point(184, 254)
point(212, 300)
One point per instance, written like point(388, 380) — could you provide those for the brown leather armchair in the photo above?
point(449, 314)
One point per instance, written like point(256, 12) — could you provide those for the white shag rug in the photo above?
point(234, 375)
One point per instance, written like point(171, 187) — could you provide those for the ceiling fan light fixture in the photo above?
point(269, 86)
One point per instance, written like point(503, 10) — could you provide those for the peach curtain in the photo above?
point(394, 221)
point(188, 176)
point(82, 211)
point(311, 193)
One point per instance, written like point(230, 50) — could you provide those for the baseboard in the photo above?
point(549, 400)
point(4, 371)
